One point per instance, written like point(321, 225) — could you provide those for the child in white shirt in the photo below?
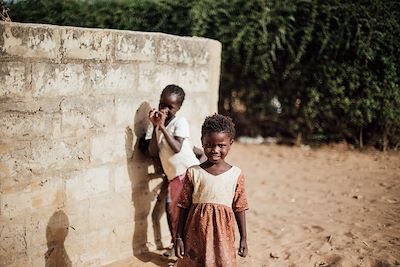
point(170, 140)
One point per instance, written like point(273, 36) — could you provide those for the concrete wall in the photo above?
point(74, 187)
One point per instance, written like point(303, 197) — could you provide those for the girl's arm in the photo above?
point(153, 145)
point(241, 222)
point(179, 245)
point(155, 119)
point(174, 142)
point(199, 154)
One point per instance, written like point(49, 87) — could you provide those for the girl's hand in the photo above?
point(242, 248)
point(179, 248)
point(163, 116)
point(155, 117)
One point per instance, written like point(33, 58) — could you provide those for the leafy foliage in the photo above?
point(4, 12)
point(317, 70)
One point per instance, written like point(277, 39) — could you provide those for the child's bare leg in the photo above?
point(158, 211)
point(170, 248)
point(168, 212)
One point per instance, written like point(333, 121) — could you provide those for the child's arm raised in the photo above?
point(153, 145)
point(241, 222)
point(179, 245)
point(174, 142)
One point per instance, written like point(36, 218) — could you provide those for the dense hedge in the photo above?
point(305, 70)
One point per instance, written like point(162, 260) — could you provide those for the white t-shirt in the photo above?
point(175, 164)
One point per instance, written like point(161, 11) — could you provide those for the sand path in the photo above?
point(330, 206)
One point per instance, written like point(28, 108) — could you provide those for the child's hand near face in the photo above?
point(162, 115)
point(155, 117)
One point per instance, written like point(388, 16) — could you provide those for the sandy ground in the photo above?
point(331, 206)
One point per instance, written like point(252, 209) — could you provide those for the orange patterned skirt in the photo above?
point(209, 236)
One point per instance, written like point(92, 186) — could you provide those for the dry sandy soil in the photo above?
point(331, 206)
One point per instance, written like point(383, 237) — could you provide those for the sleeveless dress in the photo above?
point(209, 234)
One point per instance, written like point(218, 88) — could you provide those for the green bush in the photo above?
point(307, 70)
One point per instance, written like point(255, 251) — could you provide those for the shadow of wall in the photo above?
point(56, 232)
point(142, 169)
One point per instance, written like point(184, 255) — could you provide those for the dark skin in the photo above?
point(169, 105)
point(216, 146)
point(199, 154)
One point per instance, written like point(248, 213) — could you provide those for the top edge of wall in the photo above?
point(31, 40)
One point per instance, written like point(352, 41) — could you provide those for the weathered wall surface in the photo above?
point(74, 187)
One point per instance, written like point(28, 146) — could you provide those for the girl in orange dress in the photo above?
point(212, 197)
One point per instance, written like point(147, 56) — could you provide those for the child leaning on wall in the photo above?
point(169, 137)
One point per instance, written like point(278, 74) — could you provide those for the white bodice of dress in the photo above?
point(215, 189)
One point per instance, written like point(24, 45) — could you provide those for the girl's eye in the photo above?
point(211, 145)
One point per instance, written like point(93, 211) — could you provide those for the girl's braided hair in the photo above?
point(218, 123)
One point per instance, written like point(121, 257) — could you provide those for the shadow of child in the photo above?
point(138, 164)
point(56, 232)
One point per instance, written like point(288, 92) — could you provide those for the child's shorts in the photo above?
point(175, 187)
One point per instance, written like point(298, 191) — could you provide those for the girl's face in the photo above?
point(170, 104)
point(216, 146)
